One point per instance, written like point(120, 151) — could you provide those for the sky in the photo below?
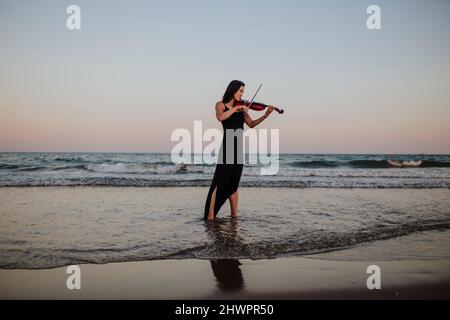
point(138, 70)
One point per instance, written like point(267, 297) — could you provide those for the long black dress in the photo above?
point(227, 175)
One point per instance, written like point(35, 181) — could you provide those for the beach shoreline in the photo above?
point(44, 230)
point(321, 276)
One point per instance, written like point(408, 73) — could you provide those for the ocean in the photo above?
point(157, 170)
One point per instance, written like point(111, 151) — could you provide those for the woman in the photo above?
point(227, 175)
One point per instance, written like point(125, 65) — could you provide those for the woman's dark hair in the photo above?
point(232, 88)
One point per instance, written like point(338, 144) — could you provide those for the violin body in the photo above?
point(258, 106)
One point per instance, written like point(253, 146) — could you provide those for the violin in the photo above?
point(258, 106)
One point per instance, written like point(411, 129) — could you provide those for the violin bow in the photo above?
point(254, 96)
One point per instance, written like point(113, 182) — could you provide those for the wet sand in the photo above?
point(308, 277)
point(412, 266)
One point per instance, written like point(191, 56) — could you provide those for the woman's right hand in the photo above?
point(242, 107)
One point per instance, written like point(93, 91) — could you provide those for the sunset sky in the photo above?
point(137, 70)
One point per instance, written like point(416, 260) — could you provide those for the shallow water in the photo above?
point(46, 227)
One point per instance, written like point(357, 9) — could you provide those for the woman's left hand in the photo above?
point(269, 110)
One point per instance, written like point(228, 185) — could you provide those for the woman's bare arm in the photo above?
point(253, 123)
point(224, 115)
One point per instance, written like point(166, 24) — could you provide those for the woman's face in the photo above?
point(238, 94)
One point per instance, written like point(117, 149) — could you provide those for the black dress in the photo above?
point(227, 175)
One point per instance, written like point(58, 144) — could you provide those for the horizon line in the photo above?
point(281, 153)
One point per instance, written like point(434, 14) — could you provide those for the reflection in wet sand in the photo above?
point(228, 274)
point(223, 234)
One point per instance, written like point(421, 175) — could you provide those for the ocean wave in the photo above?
point(367, 164)
point(7, 166)
point(69, 159)
point(430, 164)
point(354, 173)
point(30, 168)
point(224, 246)
point(74, 167)
point(115, 181)
point(142, 168)
point(315, 242)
